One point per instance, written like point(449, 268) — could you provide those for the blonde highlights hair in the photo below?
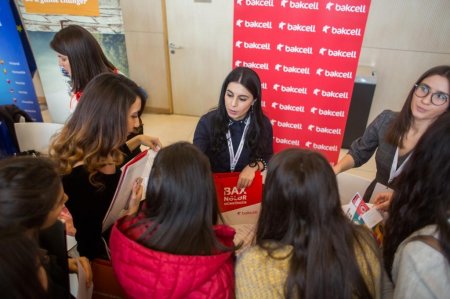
point(98, 127)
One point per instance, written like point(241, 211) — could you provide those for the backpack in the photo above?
point(10, 114)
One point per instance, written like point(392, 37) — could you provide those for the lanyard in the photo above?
point(394, 170)
point(235, 157)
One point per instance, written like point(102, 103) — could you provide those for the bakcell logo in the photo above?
point(301, 4)
point(254, 24)
point(330, 94)
point(337, 53)
point(290, 89)
point(334, 74)
point(287, 107)
point(292, 69)
point(328, 112)
point(346, 7)
point(323, 147)
point(253, 65)
point(263, 104)
point(262, 3)
point(285, 124)
point(287, 141)
point(295, 49)
point(264, 85)
point(341, 30)
point(297, 27)
point(324, 130)
point(252, 45)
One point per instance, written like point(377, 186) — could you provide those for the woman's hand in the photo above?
point(135, 197)
point(84, 262)
point(382, 200)
point(151, 142)
point(246, 176)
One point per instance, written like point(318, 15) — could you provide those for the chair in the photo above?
point(35, 135)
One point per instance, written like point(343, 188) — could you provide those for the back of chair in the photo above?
point(35, 135)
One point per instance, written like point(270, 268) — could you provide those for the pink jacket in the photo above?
point(146, 273)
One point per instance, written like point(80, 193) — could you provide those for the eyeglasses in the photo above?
point(437, 98)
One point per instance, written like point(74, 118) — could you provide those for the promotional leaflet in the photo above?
point(361, 213)
point(136, 169)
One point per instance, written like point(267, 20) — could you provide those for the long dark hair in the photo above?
point(86, 57)
point(400, 126)
point(250, 80)
point(98, 127)
point(301, 208)
point(29, 189)
point(422, 196)
point(20, 260)
point(181, 203)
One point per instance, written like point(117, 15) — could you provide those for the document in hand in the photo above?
point(139, 167)
point(361, 213)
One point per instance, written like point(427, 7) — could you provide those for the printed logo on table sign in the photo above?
point(290, 89)
point(334, 74)
point(322, 147)
point(234, 196)
point(292, 69)
point(341, 30)
point(285, 124)
point(330, 94)
point(288, 107)
point(261, 3)
point(252, 65)
point(296, 27)
point(252, 45)
point(324, 130)
point(254, 24)
point(301, 4)
point(295, 142)
point(346, 7)
point(328, 112)
point(337, 53)
point(295, 49)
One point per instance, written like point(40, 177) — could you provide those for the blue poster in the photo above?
point(16, 85)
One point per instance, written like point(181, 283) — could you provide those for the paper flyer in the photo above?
point(361, 213)
point(139, 167)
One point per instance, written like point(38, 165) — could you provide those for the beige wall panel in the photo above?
point(396, 72)
point(147, 66)
point(412, 25)
point(142, 15)
point(204, 30)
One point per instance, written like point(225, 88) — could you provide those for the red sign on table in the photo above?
point(306, 54)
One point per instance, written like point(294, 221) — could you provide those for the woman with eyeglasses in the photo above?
point(395, 134)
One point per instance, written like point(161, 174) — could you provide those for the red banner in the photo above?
point(306, 53)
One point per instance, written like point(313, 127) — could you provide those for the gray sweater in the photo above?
point(374, 138)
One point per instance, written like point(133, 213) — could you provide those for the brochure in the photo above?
point(361, 213)
point(136, 169)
